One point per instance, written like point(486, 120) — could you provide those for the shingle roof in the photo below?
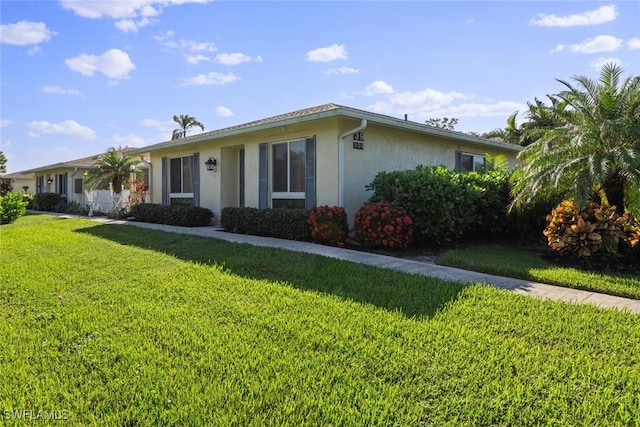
point(327, 110)
point(84, 162)
point(16, 175)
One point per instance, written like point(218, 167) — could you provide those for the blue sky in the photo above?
point(80, 76)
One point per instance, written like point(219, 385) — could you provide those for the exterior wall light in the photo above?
point(49, 181)
point(211, 164)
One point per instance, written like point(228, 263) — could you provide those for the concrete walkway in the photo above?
point(519, 286)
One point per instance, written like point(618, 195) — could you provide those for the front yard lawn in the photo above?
point(530, 265)
point(117, 325)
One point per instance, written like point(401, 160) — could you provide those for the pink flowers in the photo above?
point(380, 224)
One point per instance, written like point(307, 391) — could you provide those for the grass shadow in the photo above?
point(411, 295)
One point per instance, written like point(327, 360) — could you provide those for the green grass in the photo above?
point(530, 265)
point(117, 325)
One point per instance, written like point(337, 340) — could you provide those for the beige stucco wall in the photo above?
point(385, 149)
point(219, 189)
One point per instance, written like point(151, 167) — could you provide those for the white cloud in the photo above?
point(186, 45)
point(224, 111)
point(4, 122)
point(592, 17)
point(235, 58)
point(378, 87)
point(211, 78)
point(68, 127)
point(60, 91)
point(502, 108)
point(420, 103)
point(130, 140)
point(196, 59)
point(594, 45)
point(24, 33)
point(600, 62)
point(129, 14)
point(634, 43)
point(327, 54)
point(164, 126)
point(342, 70)
point(114, 63)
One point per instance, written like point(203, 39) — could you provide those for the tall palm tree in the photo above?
point(112, 167)
point(593, 146)
point(185, 122)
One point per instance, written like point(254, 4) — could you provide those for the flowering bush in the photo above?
point(380, 224)
point(592, 229)
point(328, 225)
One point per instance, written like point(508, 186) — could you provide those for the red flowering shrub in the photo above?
point(380, 224)
point(328, 225)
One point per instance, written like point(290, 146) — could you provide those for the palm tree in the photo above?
point(511, 134)
point(185, 122)
point(112, 167)
point(591, 144)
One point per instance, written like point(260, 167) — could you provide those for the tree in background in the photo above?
point(586, 144)
point(3, 162)
point(112, 167)
point(443, 123)
point(185, 122)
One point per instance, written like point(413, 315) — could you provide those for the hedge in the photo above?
point(288, 224)
point(185, 216)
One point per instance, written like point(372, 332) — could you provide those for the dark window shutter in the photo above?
point(263, 188)
point(458, 161)
point(310, 174)
point(196, 179)
point(165, 186)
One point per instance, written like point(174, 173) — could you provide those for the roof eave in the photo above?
point(339, 111)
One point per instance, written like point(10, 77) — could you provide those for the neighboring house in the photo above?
point(324, 155)
point(20, 181)
point(66, 178)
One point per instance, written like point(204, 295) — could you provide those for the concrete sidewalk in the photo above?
point(519, 286)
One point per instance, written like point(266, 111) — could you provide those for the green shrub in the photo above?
point(12, 207)
point(47, 201)
point(381, 224)
point(184, 216)
point(28, 199)
point(288, 224)
point(118, 213)
point(328, 225)
point(591, 230)
point(446, 205)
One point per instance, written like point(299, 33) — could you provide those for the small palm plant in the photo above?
point(112, 167)
point(185, 122)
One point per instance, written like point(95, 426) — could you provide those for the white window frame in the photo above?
point(290, 195)
point(180, 195)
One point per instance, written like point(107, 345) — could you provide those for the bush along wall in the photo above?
point(47, 201)
point(446, 205)
point(328, 225)
point(281, 223)
point(185, 216)
point(383, 225)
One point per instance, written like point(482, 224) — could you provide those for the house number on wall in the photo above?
point(358, 140)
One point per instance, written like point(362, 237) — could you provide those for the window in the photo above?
point(288, 188)
point(61, 184)
point(181, 175)
point(40, 184)
point(77, 185)
point(470, 162)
